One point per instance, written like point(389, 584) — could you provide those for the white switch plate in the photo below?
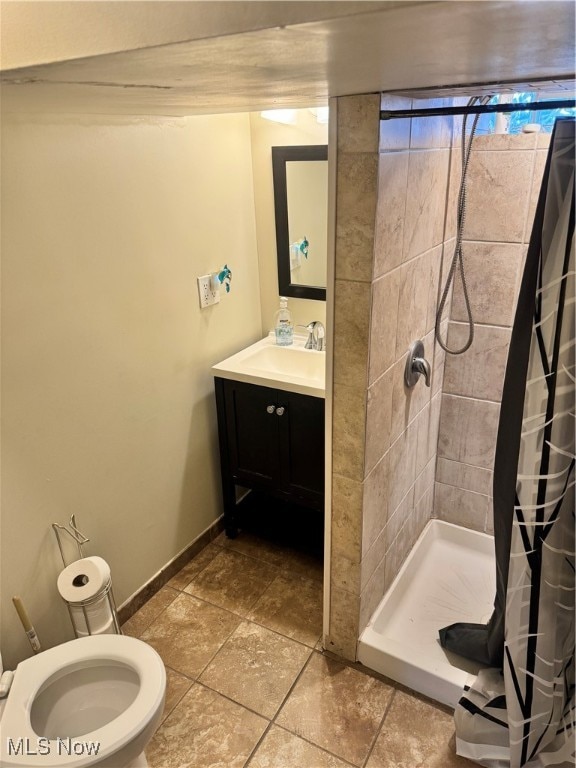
point(207, 294)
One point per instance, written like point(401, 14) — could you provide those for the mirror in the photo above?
point(301, 210)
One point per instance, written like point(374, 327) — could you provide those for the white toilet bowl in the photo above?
point(94, 701)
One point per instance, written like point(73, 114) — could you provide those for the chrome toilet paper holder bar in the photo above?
point(74, 534)
point(78, 537)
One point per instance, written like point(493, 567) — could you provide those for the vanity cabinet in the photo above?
point(270, 440)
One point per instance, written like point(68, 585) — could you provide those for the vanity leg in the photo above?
point(230, 521)
point(228, 485)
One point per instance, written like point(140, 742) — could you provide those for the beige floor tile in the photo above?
point(205, 731)
point(256, 668)
point(233, 581)
point(336, 707)
point(291, 605)
point(176, 687)
point(283, 557)
point(189, 632)
point(194, 567)
point(303, 564)
point(254, 546)
point(142, 619)
point(281, 749)
point(415, 734)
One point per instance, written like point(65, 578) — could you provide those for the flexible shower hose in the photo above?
point(457, 259)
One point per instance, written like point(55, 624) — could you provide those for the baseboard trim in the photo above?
point(141, 596)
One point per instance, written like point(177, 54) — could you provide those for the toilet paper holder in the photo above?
point(84, 606)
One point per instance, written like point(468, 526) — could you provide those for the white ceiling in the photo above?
point(400, 47)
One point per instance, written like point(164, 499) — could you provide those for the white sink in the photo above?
point(292, 369)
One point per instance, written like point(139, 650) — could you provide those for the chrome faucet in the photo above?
point(417, 365)
point(316, 335)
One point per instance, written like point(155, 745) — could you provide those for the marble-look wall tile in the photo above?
point(478, 372)
point(359, 123)
point(375, 505)
point(454, 181)
point(425, 201)
point(398, 519)
point(539, 166)
point(465, 508)
point(347, 517)
point(491, 273)
point(431, 132)
point(351, 332)
point(465, 476)
point(344, 623)
point(397, 553)
point(413, 300)
point(372, 593)
point(435, 259)
point(355, 215)
point(344, 574)
point(348, 431)
point(402, 467)
point(497, 195)
point(390, 211)
point(423, 511)
point(504, 141)
point(468, 430)
point(406, 402)
point(422, 428)
point(373, 557)
point(383, 324)
point(395, 134)
point(425, 479)
point(379, 413)
point(543, 140)
point(434, 424)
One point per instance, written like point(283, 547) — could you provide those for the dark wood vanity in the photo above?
point(270, 440)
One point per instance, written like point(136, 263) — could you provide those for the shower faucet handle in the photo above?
point(416, 365)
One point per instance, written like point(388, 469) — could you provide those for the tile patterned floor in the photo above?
point(248, 686)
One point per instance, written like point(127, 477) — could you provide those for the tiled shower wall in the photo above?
point(392, 186)
point(504, 178)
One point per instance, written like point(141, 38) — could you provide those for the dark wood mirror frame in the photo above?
point(280, 156)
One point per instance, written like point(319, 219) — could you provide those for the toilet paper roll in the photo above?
point(84, 580)
point(99, 617)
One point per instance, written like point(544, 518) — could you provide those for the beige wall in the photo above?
point(504, 178)
point(265, 135)
point(391, 233)
point(107, 401)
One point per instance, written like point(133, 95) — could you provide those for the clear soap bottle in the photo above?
point(283, 326)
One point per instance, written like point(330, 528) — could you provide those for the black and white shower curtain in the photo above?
point(520, 710)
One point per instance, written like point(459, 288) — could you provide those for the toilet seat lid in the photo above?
point(32, 674)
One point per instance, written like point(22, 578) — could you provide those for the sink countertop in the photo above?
point(292, 368)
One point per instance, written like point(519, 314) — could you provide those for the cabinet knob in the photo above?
point(270, 408)
point(280, 411)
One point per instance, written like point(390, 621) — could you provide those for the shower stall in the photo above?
point(411, 535)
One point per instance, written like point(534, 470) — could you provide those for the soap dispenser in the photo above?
point(283, 327)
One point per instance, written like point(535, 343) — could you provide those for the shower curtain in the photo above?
point(520, 710)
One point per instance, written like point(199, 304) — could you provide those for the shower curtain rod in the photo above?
point(477, 109)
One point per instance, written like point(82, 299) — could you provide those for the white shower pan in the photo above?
point(449, 576)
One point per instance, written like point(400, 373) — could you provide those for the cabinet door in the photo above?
point(302, 446)
point(252, 433)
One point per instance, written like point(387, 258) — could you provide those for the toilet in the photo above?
point(94, 701)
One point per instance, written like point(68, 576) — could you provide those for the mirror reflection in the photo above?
point(301, 211)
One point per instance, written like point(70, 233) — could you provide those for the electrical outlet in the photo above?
point(207, 294)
